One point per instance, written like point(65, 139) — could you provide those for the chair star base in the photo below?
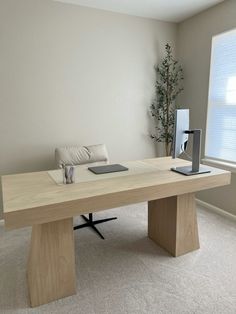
point(91, 223)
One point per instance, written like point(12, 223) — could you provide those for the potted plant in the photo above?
point(169, 76)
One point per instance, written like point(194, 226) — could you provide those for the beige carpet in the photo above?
point(128, 273)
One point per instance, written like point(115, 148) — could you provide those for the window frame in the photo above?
point(208, 160)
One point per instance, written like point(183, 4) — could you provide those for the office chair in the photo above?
point(93, 155)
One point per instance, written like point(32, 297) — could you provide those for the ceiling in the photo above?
point(165, 10)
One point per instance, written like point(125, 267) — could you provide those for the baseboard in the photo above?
point(216, 209)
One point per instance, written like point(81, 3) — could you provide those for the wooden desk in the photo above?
point(34, 199)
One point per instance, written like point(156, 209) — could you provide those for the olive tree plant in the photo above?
point(169, 77)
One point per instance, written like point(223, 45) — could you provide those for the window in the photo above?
point(221, 117)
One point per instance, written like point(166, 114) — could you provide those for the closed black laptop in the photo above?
point(107, 169)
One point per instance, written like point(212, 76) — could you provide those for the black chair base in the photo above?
point(91, 223)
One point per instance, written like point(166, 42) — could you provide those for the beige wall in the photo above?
point(194, 48)
point(72, 75)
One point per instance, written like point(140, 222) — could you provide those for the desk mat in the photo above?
point(82, 174)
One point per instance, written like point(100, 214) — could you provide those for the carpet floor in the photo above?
point(128, 273)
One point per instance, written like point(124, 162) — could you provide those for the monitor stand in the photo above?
point(195, 168)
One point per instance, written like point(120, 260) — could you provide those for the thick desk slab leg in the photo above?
point(172, 223)
point(51, 265)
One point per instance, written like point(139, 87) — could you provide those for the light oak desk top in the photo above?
point(34, 199)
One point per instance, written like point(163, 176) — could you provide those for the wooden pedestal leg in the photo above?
point(172, 223)
point(51, 265)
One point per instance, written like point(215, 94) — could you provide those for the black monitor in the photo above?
point(181, 135)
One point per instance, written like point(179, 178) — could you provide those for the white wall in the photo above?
point(194, 51)
point(71, 75)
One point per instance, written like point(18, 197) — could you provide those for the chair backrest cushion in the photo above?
point(80, 155)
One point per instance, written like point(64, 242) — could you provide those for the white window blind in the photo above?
point(221, 117)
